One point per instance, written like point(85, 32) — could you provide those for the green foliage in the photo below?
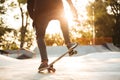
point(22, 1)
point(13, 44)
point(115, 9)
point(4, 30)
point(8, 40)
point(2, 8)
point(11, 40)
point(28, 40)
point(10, 46)
point(2, 1)
point(54, 39)
point(24, 23)
point(99, 18)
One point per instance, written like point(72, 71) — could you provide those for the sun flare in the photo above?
point(53, 27)
point(79, 5)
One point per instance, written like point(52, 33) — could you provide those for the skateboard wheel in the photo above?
point(72, 52)
point(54, 70)
point(75, 52)
point(51, 70)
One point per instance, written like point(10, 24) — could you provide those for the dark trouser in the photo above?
point(41, 23)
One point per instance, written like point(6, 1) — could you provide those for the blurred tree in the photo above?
point(24, 16)
point(9, 41)
point(100, 19)
point(2, 1)
point(115, 11)
point(54, 39)
point(9, 37)
point(3, 26)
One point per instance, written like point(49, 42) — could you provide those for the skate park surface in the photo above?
point(93, 62)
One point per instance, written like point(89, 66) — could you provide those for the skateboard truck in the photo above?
point(72, 52)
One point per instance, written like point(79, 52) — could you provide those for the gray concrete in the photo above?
point(91, 63)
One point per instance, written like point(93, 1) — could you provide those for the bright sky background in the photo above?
point(80, 6)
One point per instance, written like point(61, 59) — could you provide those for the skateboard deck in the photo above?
point(50, 67)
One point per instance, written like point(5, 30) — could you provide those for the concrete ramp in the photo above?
point(111, 47)
point(20, 54)
point(52, 51)
point(55, 51)
point(98, 66)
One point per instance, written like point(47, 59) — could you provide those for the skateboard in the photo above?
point(50, 67)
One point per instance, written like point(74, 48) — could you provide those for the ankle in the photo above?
point(45, 61)
point(68, 45)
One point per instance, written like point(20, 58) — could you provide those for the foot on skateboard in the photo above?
point(69, 45)
point(44, 64)
point(50, 69)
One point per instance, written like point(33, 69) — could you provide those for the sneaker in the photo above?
point(73, 51)
point(44, 64)
point(69, 45)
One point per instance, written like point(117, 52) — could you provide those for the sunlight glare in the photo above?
point(53, 27)
point(68, 13)
point(80, 6)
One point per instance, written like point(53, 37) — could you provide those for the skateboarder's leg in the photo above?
point(65, 30)
point(40, 26)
